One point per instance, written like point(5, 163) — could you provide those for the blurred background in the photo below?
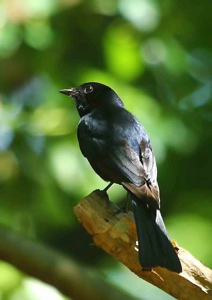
point(157, 56)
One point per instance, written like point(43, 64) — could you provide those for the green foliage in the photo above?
point(157, 56)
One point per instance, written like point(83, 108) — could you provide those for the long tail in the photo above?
point(155, 248)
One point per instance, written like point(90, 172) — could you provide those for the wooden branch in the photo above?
point(36, 260)
point(115, 233)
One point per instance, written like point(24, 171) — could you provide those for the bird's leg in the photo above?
point(126, 205)
point(104, 191)
point(128, 202)
point(107, 187)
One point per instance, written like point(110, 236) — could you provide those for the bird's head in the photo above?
point(91, 95)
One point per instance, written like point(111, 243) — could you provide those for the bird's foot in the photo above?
point(107, 187)
point(103, 193)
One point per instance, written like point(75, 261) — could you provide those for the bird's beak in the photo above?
point(70, 92)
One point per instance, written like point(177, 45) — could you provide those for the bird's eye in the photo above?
point(88, 89)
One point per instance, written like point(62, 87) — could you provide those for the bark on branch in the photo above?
point(115, 233)
point(39, 261)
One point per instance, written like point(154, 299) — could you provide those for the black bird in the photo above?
point(118, 149)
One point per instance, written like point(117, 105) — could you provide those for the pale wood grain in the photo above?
point(115, 232)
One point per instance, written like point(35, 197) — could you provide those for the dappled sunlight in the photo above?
point(158, 59)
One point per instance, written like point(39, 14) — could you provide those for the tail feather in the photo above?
point(155, 246)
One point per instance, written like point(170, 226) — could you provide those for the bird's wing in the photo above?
point(120, 163)
point(121, 157)
point(149, 190)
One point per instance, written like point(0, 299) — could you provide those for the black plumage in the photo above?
point(118, 149)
